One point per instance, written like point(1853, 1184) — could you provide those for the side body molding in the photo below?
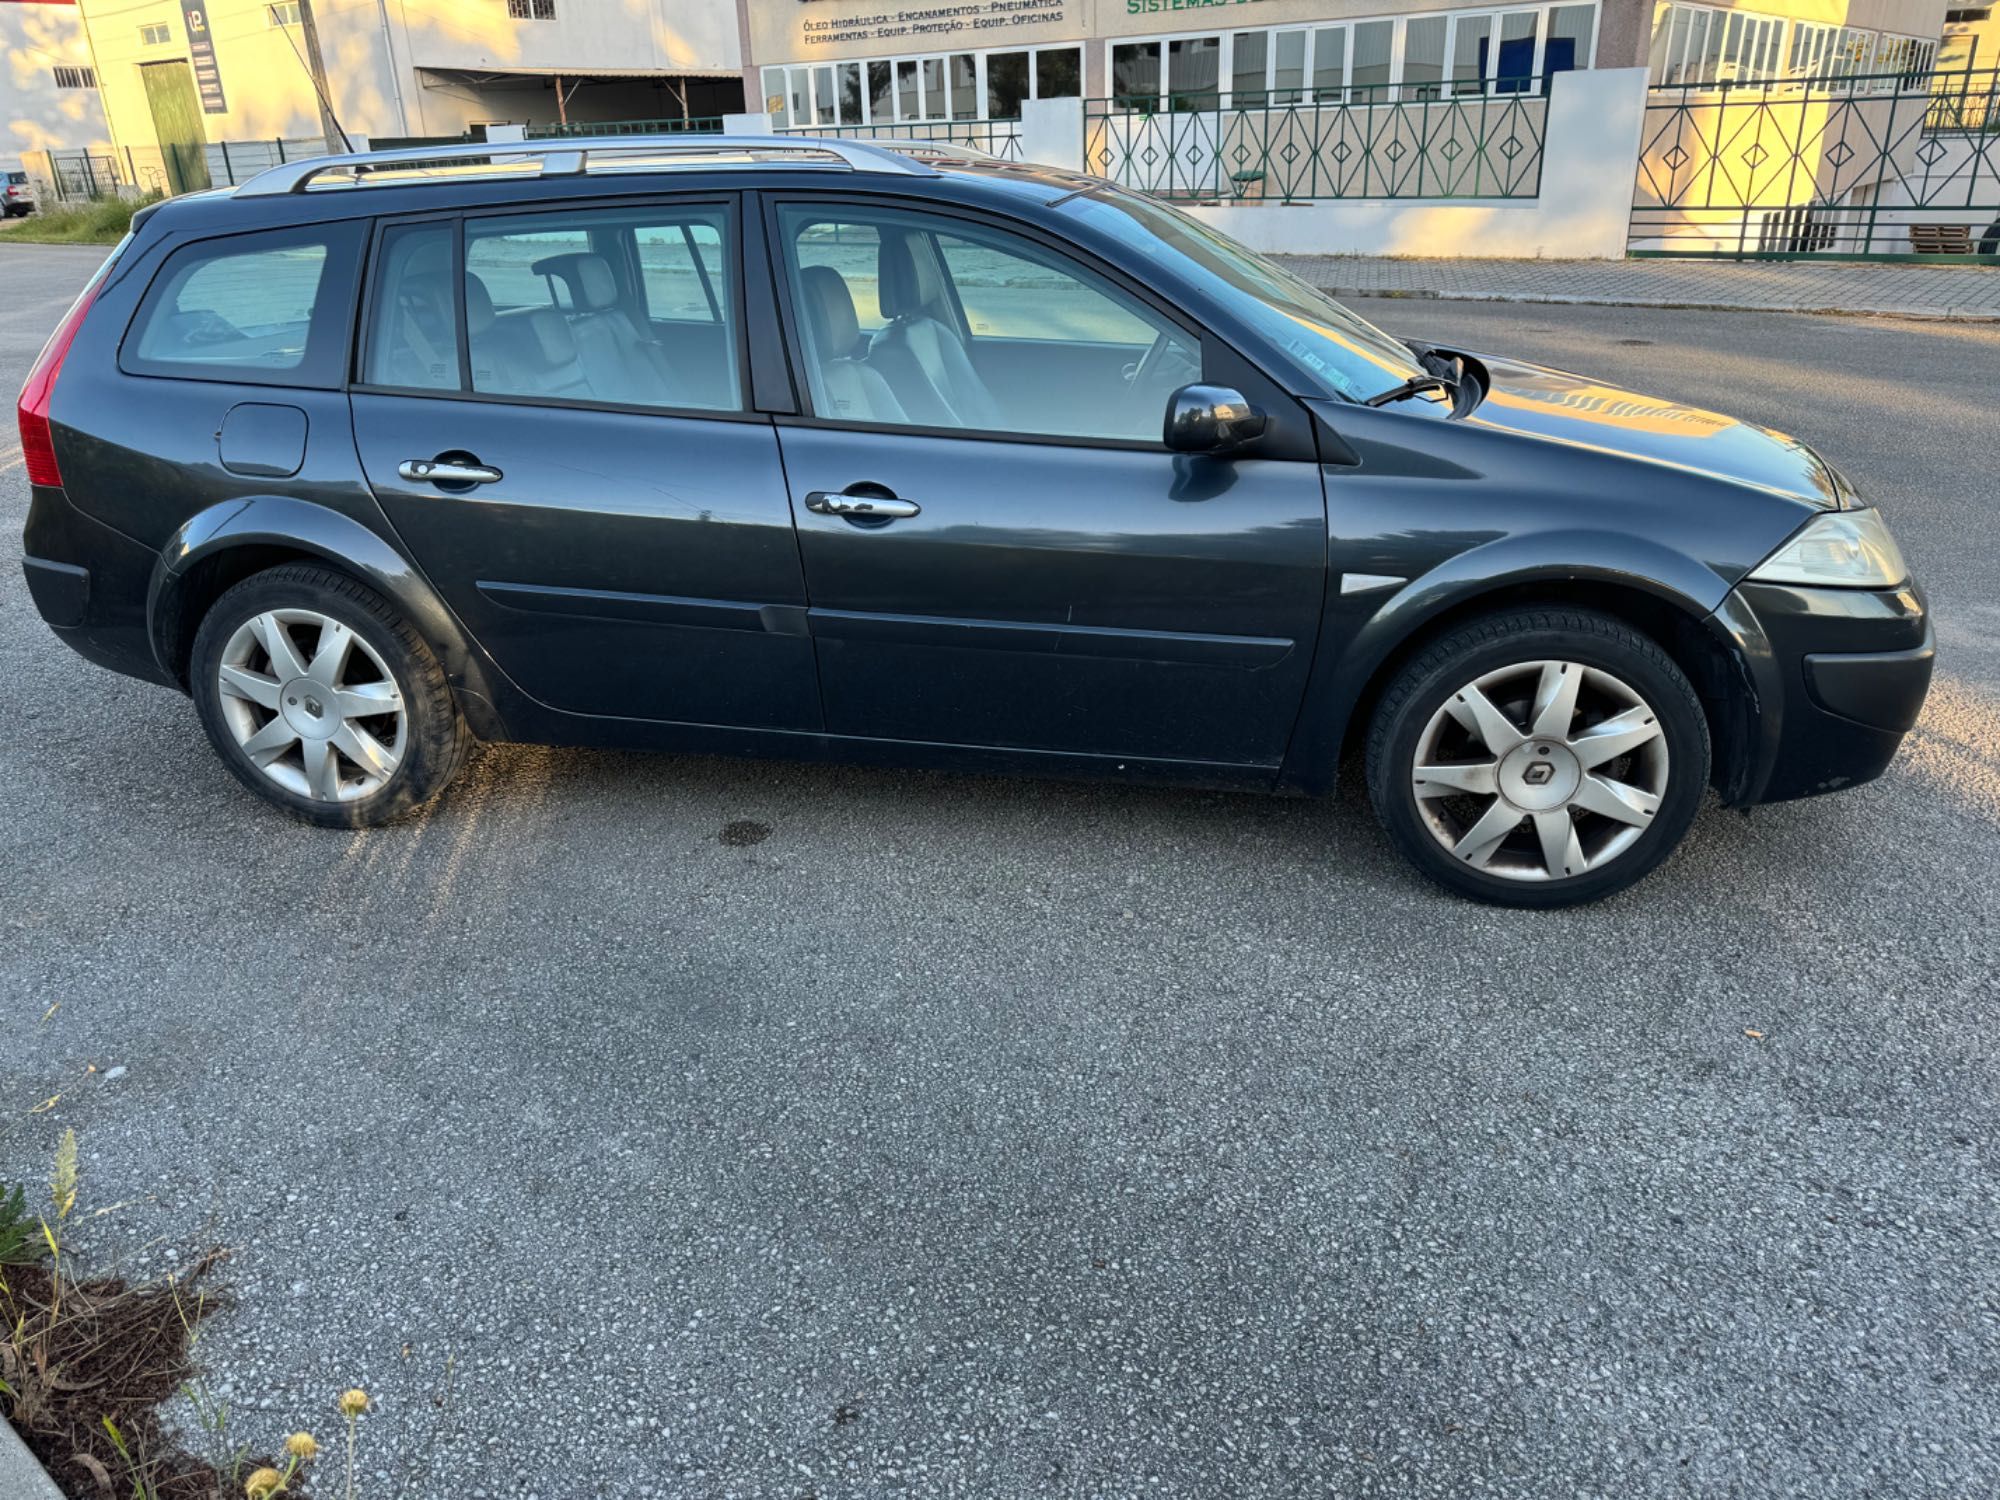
point(316, 530)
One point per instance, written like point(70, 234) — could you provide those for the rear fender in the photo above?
point(273, 524)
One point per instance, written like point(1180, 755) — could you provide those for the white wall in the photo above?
point(671, 36)
point(35, 115)
point(1589, 157)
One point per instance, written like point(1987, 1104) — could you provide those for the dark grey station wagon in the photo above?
point(774, 446)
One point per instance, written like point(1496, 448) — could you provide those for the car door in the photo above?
point(552, 415)
point(999, 548)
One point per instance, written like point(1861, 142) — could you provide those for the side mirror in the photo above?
point(1210, 419)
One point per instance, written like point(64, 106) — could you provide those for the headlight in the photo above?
point(1847, 549)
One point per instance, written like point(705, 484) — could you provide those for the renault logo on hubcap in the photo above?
point(1538, 774)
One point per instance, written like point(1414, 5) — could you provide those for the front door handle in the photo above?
point(861, 507)
point(446, 471)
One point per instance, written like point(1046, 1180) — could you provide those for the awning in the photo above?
point(460, 74)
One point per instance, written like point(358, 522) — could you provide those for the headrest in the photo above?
point(830, 316)
point(909, 281)
point(478, 306)
point(427, 294)
point(549, 338)
point(592, 287)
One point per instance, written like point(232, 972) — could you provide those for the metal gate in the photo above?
point(177, 122)
point(1885, 167)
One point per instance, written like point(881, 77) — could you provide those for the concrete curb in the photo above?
point(21, 1478)
point(1548, 299)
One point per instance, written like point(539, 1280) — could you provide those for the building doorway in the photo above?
point(177, 124)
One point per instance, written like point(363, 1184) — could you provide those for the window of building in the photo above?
point(1423, 56)
point(267, 309)
point(1419, 57)
point(284, 13)
point(156, 35)
point(1699, 44)
point(1374, 50)
point(75, 78)
point(531, 10)
point(1058, 72)
point(1194, 75)
point(907, 90)
point(1007, 84)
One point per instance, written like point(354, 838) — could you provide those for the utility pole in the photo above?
point(336, 138)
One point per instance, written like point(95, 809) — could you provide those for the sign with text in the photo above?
point(802, 32)
point(201, 54)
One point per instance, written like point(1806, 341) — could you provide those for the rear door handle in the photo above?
point(861, 507)
point(444, 471)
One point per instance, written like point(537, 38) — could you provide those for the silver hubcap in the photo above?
point(312, 705)
point(1541, 770)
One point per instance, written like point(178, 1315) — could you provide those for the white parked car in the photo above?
point(17, 196)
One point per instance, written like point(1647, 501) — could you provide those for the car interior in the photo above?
point(905, 324)
point(907, 320)
point(622, 313)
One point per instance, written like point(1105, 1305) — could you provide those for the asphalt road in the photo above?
point(986, 1137)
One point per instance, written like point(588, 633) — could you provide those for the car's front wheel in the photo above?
point(1538, 757)
point(320, 697)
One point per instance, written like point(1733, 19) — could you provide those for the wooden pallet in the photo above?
point(1941, 239)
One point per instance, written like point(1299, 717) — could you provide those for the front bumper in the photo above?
point(1839, 677)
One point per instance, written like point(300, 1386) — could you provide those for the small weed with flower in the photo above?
point(85, 1365)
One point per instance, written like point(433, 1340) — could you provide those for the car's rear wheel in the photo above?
point(321, 698)
point(1538, 757)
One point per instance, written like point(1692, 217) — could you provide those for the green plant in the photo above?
point(20, 1239)
point(63, 1183)
point(102, 222)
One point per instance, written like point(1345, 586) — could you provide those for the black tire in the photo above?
point(436, 740)
point(1490, 644)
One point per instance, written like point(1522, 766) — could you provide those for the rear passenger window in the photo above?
point(413, 330)
point(269, 309)
point(624, 307)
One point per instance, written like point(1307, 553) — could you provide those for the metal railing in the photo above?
point(1001, 138)
point(1965, 103)
point(1366, 141)
point(697, 125)
point(84, 176)
point(233, 162)
point(1877, 167)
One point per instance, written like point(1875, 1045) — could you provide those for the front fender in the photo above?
point(303, 527)
point(1361, 632)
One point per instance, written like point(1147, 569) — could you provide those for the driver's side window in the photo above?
point(928, 321)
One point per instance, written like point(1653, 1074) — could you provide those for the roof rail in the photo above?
point(943, 150)
point(565, 156)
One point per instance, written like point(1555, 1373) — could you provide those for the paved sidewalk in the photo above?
point(1952, 291)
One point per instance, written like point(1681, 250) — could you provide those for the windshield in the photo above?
point(1352, 356)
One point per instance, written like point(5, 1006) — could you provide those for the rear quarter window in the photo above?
point(273, 308)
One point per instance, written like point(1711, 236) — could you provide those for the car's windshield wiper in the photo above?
point(1411, 387)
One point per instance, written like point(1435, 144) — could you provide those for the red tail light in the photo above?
point(37, 442)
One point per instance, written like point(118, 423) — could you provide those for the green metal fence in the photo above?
point(1882, 167)
point(1001, 138)
point(1362, 142)
point(698, 125)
